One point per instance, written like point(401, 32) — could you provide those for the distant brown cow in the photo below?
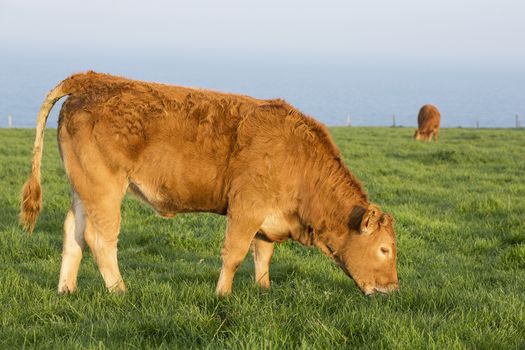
point(428, 123)
point(273, 171)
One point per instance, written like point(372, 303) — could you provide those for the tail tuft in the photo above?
point(30, 204)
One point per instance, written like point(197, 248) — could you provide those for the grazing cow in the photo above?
point(274, 172)
point(428, 123)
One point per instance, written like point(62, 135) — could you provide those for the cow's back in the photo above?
point(173, 143)
point(428, 118)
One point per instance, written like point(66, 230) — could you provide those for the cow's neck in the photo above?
point(330, 195)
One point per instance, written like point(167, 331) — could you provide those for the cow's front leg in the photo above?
point(262, 254)
point(239, 235)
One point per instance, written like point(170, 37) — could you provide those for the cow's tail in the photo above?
point(31, 200)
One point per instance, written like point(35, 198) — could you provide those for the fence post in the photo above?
point(348, 121)
point(517, 121)
point(477, 123)
point(9, 121)
point(393, 120)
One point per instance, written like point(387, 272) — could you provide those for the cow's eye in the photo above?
point(385, 250)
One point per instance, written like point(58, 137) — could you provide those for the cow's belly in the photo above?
point(180, 177)
point(179, 195)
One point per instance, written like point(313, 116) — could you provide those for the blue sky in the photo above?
point(451, 30)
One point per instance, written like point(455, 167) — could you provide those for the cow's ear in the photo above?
point(386, 219)
point(370, 220)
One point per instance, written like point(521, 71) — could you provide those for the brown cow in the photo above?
point(428, 123)
point(273, 171)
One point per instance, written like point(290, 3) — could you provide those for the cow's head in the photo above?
point(422, 136)
point(367, 251)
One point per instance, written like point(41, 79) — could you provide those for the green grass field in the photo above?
point(459, 207)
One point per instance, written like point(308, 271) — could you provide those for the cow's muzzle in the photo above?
point(392, 287)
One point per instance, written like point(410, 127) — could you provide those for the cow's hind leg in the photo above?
point(262, 255)
point(74, 244)
point(100, 183)
point(101, 234)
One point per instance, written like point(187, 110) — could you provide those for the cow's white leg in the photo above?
point(262, 255)
point(74, 244)
point(239, 235)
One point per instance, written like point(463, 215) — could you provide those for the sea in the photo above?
point(377, 92)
